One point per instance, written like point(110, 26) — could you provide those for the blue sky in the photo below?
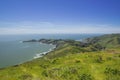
point(59, 16)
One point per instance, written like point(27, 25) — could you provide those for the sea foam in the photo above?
point(43, 53)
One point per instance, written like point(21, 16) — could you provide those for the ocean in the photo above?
point(13, 51)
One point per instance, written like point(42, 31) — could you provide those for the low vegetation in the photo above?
point(71, 60)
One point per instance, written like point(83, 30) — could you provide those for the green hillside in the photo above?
point(72, 60)
point(107, 41)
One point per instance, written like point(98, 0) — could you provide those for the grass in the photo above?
point(99, 65)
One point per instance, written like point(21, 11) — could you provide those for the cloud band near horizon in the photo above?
point(50, 28)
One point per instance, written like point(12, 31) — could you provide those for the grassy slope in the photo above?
point(108, 41)
point(87, 66)
point(68, 62)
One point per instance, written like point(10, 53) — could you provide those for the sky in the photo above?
point(59, 16)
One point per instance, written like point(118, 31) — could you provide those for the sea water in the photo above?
point(13, 51)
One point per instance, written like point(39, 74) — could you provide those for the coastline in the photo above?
point(35, 56)
point(43, 53)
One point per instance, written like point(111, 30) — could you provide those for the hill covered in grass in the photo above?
point(107, 41)
point(95, 59)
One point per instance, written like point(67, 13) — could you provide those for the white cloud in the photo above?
point(47, 27)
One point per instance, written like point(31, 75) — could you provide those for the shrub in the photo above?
point(112, 74)
point(85, 77)
point(44, 73)
point(77, 61)
point(118, 55)
point(69, 72)
point(54, 61)
point(109, 58)
point(99, 59)
point(44, 66)
point(112, 71)
point(26, 77)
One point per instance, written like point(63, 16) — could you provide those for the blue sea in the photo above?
point(13, 51)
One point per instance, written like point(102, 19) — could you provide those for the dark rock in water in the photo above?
point(33, 40)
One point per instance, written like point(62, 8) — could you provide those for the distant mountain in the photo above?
point(107, 41)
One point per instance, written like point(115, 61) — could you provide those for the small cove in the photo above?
point(15, 52)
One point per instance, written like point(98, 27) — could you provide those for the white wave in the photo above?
point(50, 44)
point(50, 49)
point(20, 41)
point(37, 55)
point(43, 53)
point(41, 43)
